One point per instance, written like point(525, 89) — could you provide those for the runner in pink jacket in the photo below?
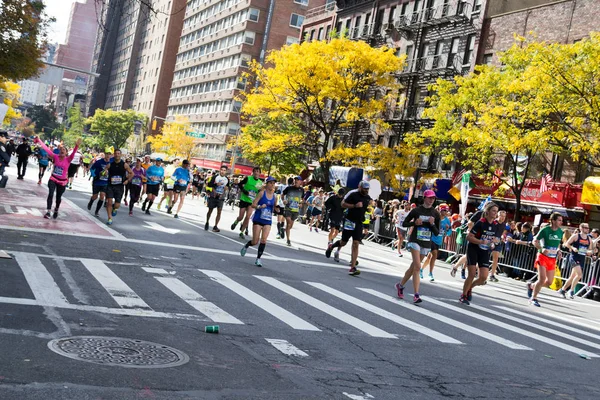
point(58, 178)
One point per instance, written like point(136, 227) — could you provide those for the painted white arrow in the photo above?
point(158, 227)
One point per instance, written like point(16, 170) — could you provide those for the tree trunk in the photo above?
point(518, 205)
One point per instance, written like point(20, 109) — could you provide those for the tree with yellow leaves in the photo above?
point(174, 140)
point(326, 85)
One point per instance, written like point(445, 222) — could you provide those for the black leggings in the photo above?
point(134, 193)
point(60, 189)
point(42, 171)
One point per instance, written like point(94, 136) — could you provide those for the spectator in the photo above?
point(23, 152)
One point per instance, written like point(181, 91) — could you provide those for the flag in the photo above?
point(456, 188)
point(483, 203)
point(546, 180)
point(496, 180)
point(465, 188)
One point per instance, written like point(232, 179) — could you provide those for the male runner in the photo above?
point(292, 198)
point(87, 160)
point(119, 175)
point(249, 186)
point(154, 175)
point(182, 178)
point(169, 183)
point(336, 214)
point(217, 197)
point(146, 163)
point(99, 171)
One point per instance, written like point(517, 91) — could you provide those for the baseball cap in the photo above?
point(413, 205)
point(271, 179)
point(429, 193)
point(158, 159)
point(364, 185)
point(444, 207)
point(4, 134)
point(298, 178)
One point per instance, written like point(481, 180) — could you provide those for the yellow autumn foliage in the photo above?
point(173, 140)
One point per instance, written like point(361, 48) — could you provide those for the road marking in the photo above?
point(267, 305)
point(160, 228)
point(574, 319)
point(40, 281)
point(386, 314)
point(286, 348)
point(123, 295)
point(457, 324)
point(198, 302)
point(366, 396)
point(528, 334)
point(327, 309)
point(81, 211)
point(153, 270)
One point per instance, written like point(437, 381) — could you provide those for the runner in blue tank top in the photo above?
point(264, 205)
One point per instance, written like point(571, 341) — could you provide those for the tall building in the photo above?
point(32, 93)
point(135, 56)
point(218, 39)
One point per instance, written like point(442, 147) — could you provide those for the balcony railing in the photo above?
point(434, 65)
point(361, 32)
point(324, 10)
point(451, 12)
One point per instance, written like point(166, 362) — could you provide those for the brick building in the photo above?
point(217, 41)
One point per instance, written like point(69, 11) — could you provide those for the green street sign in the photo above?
point(196, 135)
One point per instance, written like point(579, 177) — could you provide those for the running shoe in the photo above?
point(336, 256)
point(417, 299)
point(562, 293)
point(258, 263)
point(469, 296)
point(317, 230)
point(430, 276)
point(109, 222)
point(278, 236)
point(242, 235)
point(143, 206)
point(529, 290)
point(206, 226)
point(234, 225)
point(400, 290)
point(131, 213)
point(400, 255)
point(47, 215)
point(310, 228)
point(176, 216)
point(169, 210)
point(289, 243)
point(463, 274)
point(40, 182)
point(125, 202)
point(97, 215)
point(354, 271)
point(463, 300)
point(70, 186)
point(243, 251)
point(453, 272)
point(55, 215)
point(329, 250)
point(421, 273)
point(147, 212)
point(571, 295)
point(534, 302)
point(493, 278)
point(215, 229)
point(158, 206)
point(246, 232)
point(114, 213)
point(90, 205)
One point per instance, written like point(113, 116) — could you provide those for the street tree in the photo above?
point(44, 118)
point(328, 85)
point(23, 38)
point(489, 122)
point(274, 144)
point(114, 127)
point(9, 92)
point(174, 139)
point(25, 127)
point(76, 125)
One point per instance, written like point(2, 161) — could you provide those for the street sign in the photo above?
point(197, 135)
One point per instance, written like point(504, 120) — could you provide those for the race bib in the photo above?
point(182, 182)
point(294, 205)
point(349, 225)
point(252, 194)
point(170, 186)
point(583, 250)
point(136, 181)
point(116, 180)
point(552, 252)
point(220, 189)
point(58, 171)
point(423, 234)
point(154, 178)
point(266, 214)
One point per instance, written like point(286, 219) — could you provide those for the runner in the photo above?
point(216, 199)
point(87, 161)
point(127, 186)
point(169, 184)
point(43, 159)
point(264, 203)
point(400, 230)
point(249, 187)
point(437, 242)
point(280, 213)
point(182, 178)
point(74, 167)
point(547, 242)
point(292, 198)
point(99, 171)
point(317, 211)
point(155, 175)
point(356, 201)
point(482, 239)
point(119, 175)
point(58, 179)
point(135, 189)
point(336, 215)
point(426, 222)
point(497, 250)
point(146, 164)
point(581, 245)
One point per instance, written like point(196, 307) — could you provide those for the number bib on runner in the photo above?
point(349, 225)
point(583, 250)
point(219, 189)
point(252, 194)
point(294, 205)
point(423, 234)
point(136, 181)
point(266, 214)
point(58, 171)
point(116, 180)
point(552, 251)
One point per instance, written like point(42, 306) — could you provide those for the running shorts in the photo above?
point(434, 246)
point(277, 210)
point(415, 246)
point(547, 262)
point(351, 230)
point(180, 188)
point(366, 226)
point(260, 223)
point(290, 214)
point(98, 189)
point(316, 212)
point(215, 203)
point(244, 204)
point(477, 256)
point(499, 247)
point(72, 170)
point(86, 165)
point(335, 224)
point(115, 192)
point(577, 260)
point(402, 231)
point(167, 187)
point(152, 189)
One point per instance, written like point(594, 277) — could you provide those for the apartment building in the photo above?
point(218, 39)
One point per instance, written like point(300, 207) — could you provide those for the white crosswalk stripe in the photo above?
point(386, 314)
point(457, 324)
point(43, 286)
point(267, 305)
point(123, 295)
point(327, 309)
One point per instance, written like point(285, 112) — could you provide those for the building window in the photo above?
point(320, 33)
point(303, 2)
point(249, 37)
point(291, 40)
point(469, 50)
point(487, 59)
point(477, 6)
point(237, 106)
point(296, 20)
point(253, 14)
point(312, 35)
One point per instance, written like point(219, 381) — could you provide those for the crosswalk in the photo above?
point(213, 296)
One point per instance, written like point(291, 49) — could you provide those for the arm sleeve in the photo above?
point(51, 154)
point(242, 183)
point(409, 220)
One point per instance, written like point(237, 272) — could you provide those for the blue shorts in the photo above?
point(415, 246)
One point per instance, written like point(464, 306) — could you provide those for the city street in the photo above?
point(298, 328)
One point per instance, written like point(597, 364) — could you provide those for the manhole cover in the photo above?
point(120, 352)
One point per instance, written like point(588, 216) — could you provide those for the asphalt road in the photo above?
point(298, 328)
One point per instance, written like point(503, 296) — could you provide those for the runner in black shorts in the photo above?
point(336, 214)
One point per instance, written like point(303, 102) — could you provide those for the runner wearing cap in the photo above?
point(336, 214)
point(264, 205)
point(147, 163)
point(155, 175)
point(437, 241)
point(182, 178)
point(497, 250)
point(99, 171)
point(135, 189)
point(292, 198)
point(425, 221)
point(249, 187)
point(356, 202)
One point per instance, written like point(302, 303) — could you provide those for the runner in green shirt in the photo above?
point(249, 188)
point(87, 161)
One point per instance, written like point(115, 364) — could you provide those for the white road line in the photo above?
point(81, 211)
point(153, 270)
point(577, 320)
point(386, 314)
point(456, 324)
point(267, 305)
point(40, 281)
point(327, 309)
point(287, 348)
point(120, 292)
point(503, 325)
point(195, 300)
point(365, 396)
point(539, 327)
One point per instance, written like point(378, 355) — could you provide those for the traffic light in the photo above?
point(154, 125)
